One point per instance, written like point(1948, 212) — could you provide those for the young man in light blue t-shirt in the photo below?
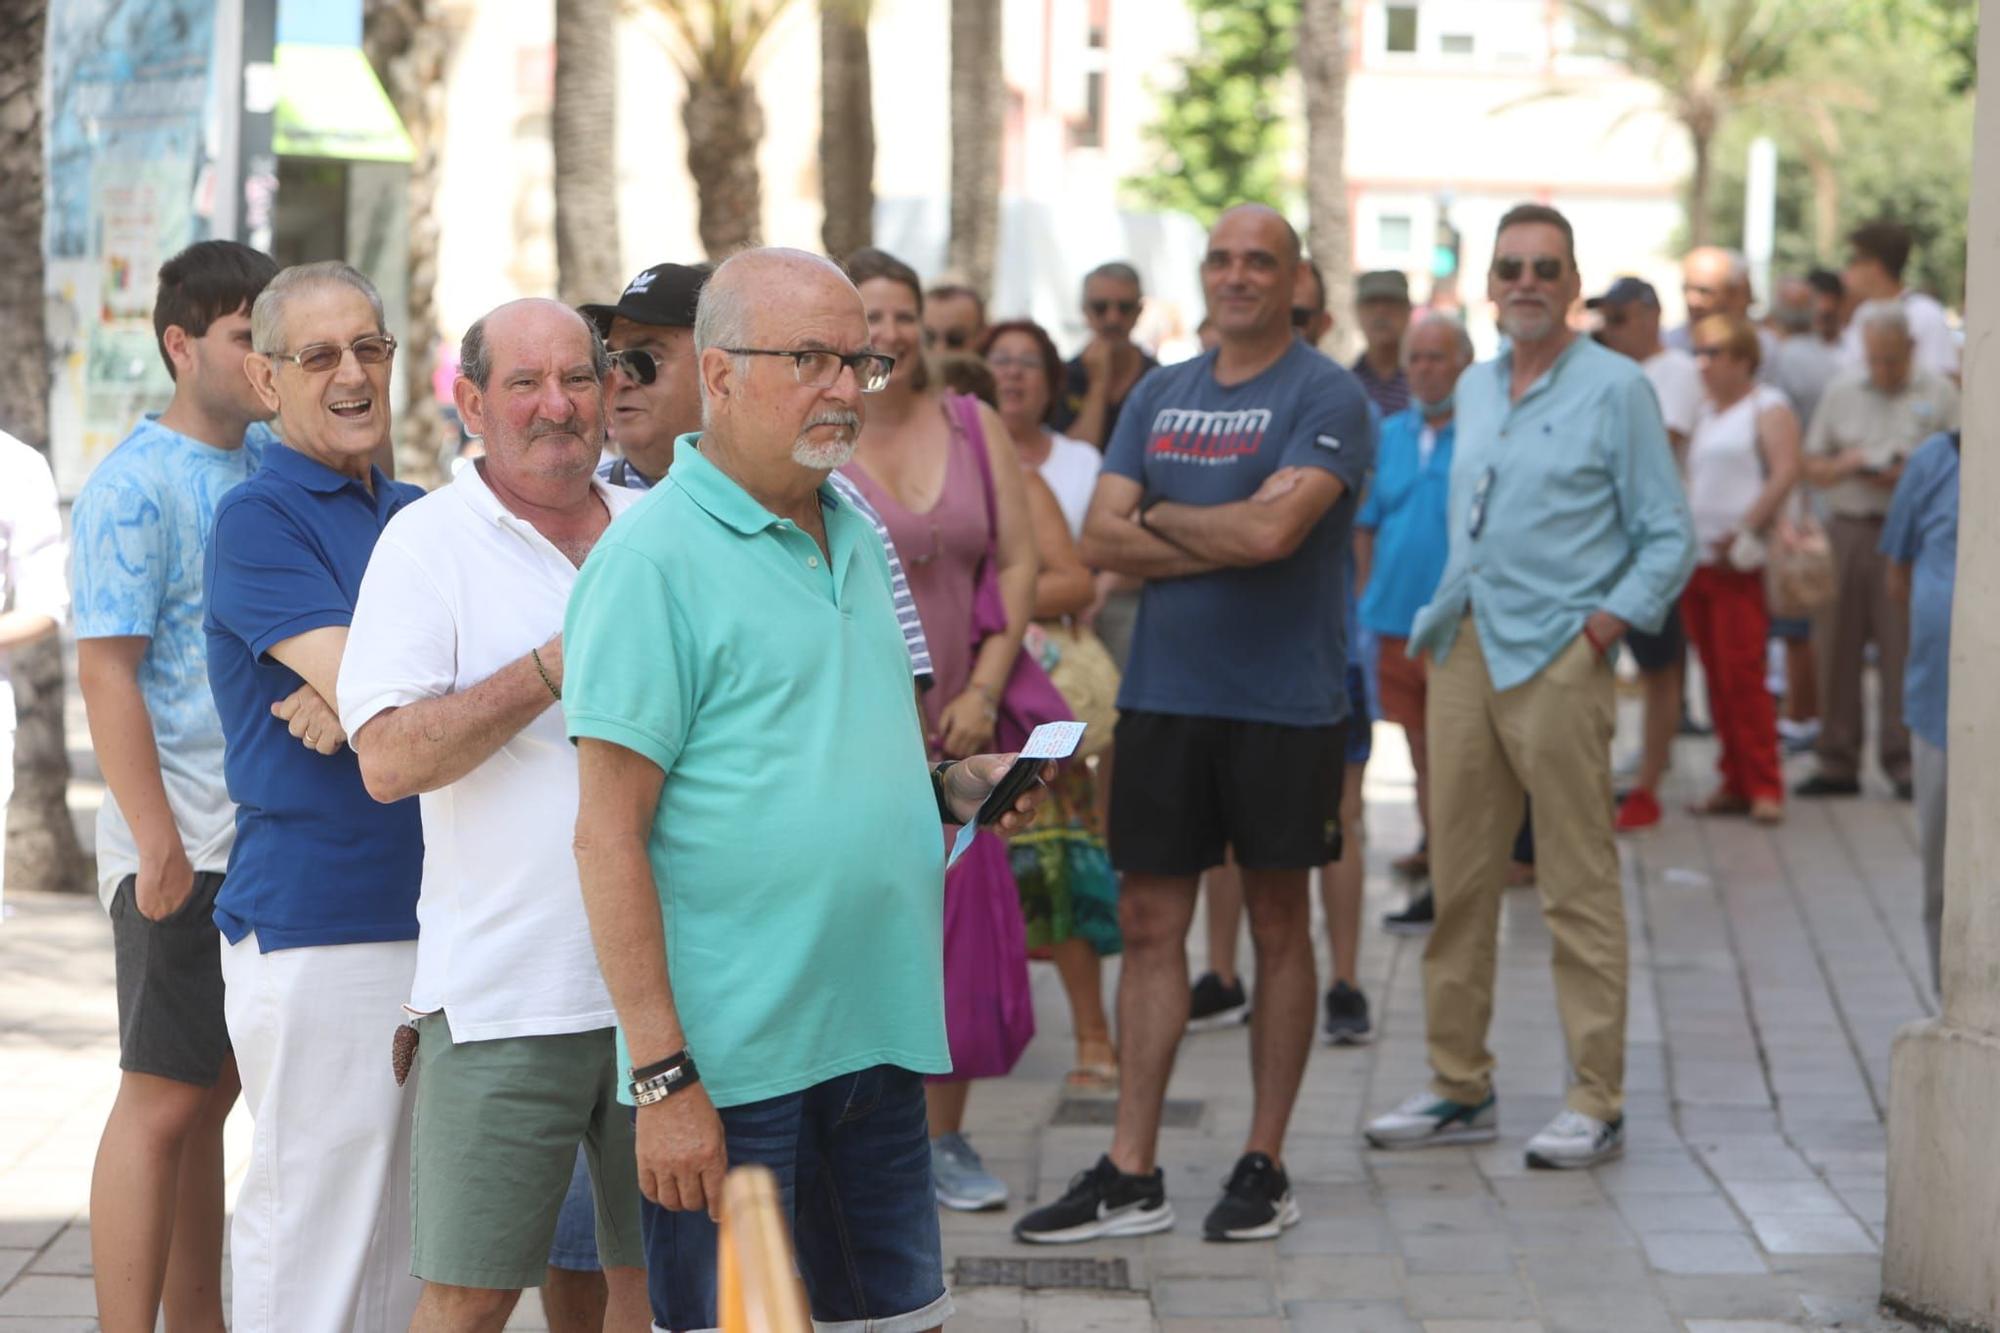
point(141, 529)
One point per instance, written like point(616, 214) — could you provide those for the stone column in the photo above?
point(1941, 1258)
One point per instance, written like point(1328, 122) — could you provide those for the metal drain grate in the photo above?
point(1043, 1274)
point(1181, 1113)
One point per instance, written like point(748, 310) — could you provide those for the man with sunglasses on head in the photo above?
point(1568, 526)
point(1102, 376)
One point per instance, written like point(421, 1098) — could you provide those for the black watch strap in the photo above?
point(946, 815)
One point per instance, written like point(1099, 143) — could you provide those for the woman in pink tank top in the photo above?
point(924, 460)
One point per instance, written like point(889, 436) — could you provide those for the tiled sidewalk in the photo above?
point(1771, 970)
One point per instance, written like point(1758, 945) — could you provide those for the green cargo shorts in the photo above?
point(497, 1128)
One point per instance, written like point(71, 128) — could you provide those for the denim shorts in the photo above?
point(853, 1160)
point(575, 1245)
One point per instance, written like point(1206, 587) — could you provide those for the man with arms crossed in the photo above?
point(141, 526)
point(757, 839)
point(319, 910)
point(452, 664)
point(1230, 718)
point(1568, 524)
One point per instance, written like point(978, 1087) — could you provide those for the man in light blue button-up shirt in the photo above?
point(1568, 526)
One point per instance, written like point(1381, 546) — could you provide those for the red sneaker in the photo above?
point(1639, 810)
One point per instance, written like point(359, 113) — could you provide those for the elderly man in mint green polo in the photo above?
point(758, 838)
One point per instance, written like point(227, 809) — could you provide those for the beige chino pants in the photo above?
point(1549, 739)
point(1862, 612)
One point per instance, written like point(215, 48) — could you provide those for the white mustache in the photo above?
point(834, 417)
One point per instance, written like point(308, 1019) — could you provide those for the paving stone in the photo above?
point(1796, 1233)
point(1072, 1313)
point(1469, 1296)
point(1716, 1296)
point(1213, 1297)
point(1702, 1252)
point(1341, 1277)
point(1678, 1212)
point(1349, 1317)
point(1484, 1326)
point(32, 1295)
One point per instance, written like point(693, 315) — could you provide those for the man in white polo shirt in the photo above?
point(449, 688)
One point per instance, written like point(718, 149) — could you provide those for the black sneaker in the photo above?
point(1821, 785)
point(1214, 1005)
point(1102, 1201)
point(1346, 1016)
point(1414, 919)
point(1256, 1204)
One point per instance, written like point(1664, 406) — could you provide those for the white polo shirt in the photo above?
point(459, 587)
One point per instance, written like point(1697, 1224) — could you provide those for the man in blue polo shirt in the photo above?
point(318, 911)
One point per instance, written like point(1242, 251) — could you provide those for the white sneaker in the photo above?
point(1573, 1140)
point(1428, 1120)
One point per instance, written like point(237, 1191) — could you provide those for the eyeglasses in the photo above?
point(1475, 513)
point(1103, 308)
point(819, 369)
point(999, 363)
point(320, 358)
point(1508, 268)
point(1707, 353)
point(954, 340)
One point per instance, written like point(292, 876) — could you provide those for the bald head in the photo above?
point(1715, 281)
point(1248, 274)
point(1436, 352)
point(763, 410)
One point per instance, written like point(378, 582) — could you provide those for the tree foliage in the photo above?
point(1223, 124)
point(1904, 152)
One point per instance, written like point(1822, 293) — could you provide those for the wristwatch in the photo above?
point(661, 1080)
point(946, 815)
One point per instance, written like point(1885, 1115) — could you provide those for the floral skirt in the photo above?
point(1063, 871)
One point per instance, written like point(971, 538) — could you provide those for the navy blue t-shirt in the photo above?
point(317, 859)
point(1266, 643)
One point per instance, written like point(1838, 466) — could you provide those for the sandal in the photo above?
point(1096, 1066)
point(1721, 801)
point(1767, 811)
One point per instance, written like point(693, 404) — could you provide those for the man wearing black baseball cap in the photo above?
point(652, 394)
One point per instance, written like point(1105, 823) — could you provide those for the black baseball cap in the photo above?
point(664, 296)
point(1626, 291)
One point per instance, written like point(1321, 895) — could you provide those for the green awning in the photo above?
point(331, 105)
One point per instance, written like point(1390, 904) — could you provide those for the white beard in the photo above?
point(823, 457)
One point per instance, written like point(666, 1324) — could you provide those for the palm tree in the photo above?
point(408, 43)
point(1323, 75)
point(716, 42)
point(1709, 58)
point(846, 127)
point(583, 134)
point(978, 111)
point(42, 849)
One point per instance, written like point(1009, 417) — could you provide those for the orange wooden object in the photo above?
point(758, 1289)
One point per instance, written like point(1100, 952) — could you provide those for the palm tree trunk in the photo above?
point(409, 45)
point(725, 125)
point(1699, 187)
point(42, 850)
point(1323, 75)
point(846, 128)
point(978, 116)
point(1826, 205)
point(583, 133)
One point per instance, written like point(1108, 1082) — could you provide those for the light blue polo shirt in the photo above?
point(1563, 503)
point(796, 848)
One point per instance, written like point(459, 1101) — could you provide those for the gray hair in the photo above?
point(267, 316)
point(475, 358)
point(1884, 317)
point(1792, 316)
point(1118, 271)
point(1430, 317)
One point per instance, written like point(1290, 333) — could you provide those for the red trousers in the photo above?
point(1723, 610)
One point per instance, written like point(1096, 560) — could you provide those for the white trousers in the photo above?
point(321, 1236)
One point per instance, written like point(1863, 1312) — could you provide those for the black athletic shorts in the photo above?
point(1655, 652)
point(169, 973)
point(1186, 788)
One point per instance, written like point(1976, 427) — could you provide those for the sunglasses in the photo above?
point(1103, 308)
point(1508, 268)
point(1475, 513)
point(641, 367)
point(320, 358)
point(1302, 316)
